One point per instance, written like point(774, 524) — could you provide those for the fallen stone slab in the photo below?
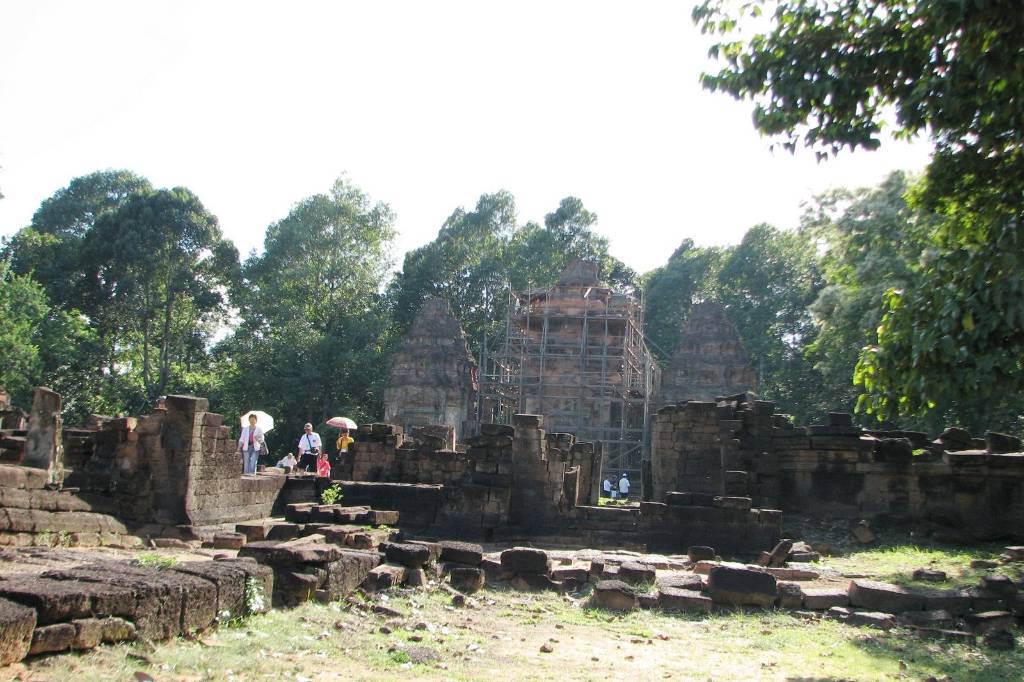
point(466, 579)
point(681, 581)
point(167, 603)
point(824, 598)
point(495, 571)
point(525, 560)
point(534, 582)
point(999, 585)
point(238, 585)
point(862, 617)
point(467, 553)
point(50, 639)
point(701, 553)
point(17, 623)
point(576, 574)
point(635, 573)
point(690, 601)
point(940, 619)
point(984, 600)
point(384, 577)
point(282, 532)
point(406, 554)
point(988, 621)
point(88, 633)
point(292, 552)
point(878, 596)
point(382, 517)
point(59, 601)
point(956, 602)
point(228, 540)
point(929, 575)
point(741, 587)
point(791, 595)
point(615, 595)
point(433, 547)
point(254, 531)
point(704, 567)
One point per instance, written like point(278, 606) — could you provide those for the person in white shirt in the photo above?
point(249, 445)
point(607, 486)
point(287, 462)
point(624, 486)
point(308, 443)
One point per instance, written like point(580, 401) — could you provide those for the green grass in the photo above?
point(154, 560)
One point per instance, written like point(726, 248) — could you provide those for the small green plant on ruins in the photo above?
point(154, 560)
point(332, 495)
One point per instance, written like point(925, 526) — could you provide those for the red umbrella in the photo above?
point(342, 423)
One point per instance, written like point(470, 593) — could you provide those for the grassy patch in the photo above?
point(154, 560)
point(897, 563)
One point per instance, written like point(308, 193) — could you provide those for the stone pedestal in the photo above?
point(44, 448)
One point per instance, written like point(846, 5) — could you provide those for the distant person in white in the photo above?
point(287, 462)
point(607, 486)
point(624, 486)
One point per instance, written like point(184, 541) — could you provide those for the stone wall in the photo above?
point(709, 361)
point(177, 465)
point(517, 482)
point(433, 376)
point(740, 447)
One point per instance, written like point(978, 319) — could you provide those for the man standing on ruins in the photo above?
point(309, 446)
point(624, 486)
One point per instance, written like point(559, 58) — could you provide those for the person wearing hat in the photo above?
point(624, 486)
point(309, 446)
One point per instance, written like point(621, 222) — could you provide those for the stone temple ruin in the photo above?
point(506, 466)
point(575, 353)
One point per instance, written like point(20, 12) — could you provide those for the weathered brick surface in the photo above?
point(17, 623)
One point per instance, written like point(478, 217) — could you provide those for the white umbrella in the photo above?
point(263, 420)
point(342, 423)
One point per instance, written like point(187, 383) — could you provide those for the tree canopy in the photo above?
point(827, 74)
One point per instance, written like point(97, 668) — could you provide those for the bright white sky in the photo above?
point(425, 105)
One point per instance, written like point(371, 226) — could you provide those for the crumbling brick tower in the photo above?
point(575, 353)
point(433, 375)
point(709, 361)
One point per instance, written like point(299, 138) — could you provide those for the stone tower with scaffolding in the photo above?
point(575, 353)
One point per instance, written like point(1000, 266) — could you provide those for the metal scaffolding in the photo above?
point(575, 354)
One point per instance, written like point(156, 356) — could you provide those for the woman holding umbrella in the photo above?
point(252, 439)
point(344, 440)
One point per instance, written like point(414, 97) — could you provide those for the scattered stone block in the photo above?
point(534, 582)
point(741, 587)
point(874, 619)
point(406, 554)
point(228, 541)
point(740, 503)
point(791, 596)
point(17, 623)
point(525, 560)
point(681, 581)
point(675, 599)
point(956, 602)
point(1014, 553)
point(495, 572)
point(50, 639)
point(466, 579)
point(863, 533)
point(792, 573)
point(988, 621)
point(998, 585)
point(117, 630)
point(941, 619)
point(384, 577)
point(615, 595)
point(380, 517)
point(254, 531)
point(88, 633)
point(984, 564)
point(466, 553)
point(983, 600)
point(878, 596)
point(636, 573)
point(824, 598)
point(575, 574)
point(415, 577)
point(946, 635)
point(929, 575)
point(701, 553)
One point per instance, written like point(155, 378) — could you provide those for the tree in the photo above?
point(157, 268)
point(767, 283)
point(50, 248)
point(23, 307)
point(689, 276)
point(827, 73)
point(313, 325)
